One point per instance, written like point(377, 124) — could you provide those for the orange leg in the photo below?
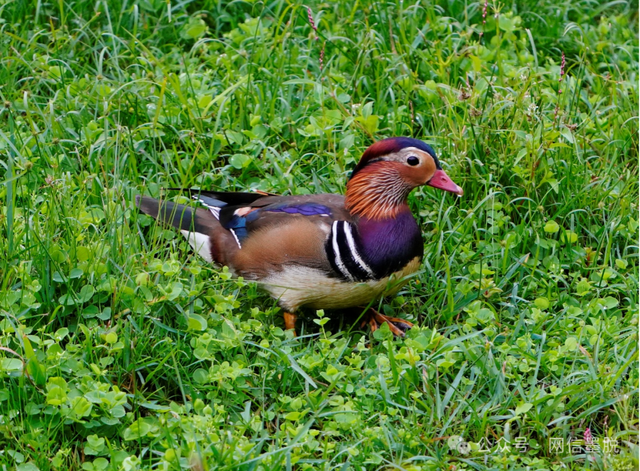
point(290, 321)
point(375, 320)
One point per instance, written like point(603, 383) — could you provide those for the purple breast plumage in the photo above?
point(373, 249)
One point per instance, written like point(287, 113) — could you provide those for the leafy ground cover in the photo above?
point(120, 349)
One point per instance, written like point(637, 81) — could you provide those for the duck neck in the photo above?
point(377, 195)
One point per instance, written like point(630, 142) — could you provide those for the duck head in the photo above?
point(386, 174)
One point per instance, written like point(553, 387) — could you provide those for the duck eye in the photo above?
point(413, 160)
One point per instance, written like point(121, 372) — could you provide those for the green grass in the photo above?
point(121, 349)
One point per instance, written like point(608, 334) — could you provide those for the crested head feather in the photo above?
point(391, 145)
point(382, 180)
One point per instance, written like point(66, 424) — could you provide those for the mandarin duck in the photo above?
point(321, 251)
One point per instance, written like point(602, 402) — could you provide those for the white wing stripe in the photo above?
point(215, 210)
point(235, 236)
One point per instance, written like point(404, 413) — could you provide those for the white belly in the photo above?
point(296, 286)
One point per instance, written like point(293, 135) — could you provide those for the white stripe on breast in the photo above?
point(336, 251)
point(354, 251)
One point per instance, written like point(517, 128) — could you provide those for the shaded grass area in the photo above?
point(120, 349)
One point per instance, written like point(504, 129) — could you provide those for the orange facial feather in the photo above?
point(378, 191)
